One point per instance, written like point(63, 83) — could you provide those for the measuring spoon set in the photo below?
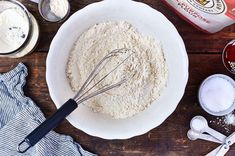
point(199, 129)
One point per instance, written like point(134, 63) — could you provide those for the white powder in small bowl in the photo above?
point(59, 7)
point(14, 27)
point(198, 125)
point(217, 94)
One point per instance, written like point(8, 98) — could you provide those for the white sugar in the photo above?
point(230, 119)
point(217, 94)
point(198, 125)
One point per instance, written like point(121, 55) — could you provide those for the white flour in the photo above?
point(14, 27)
point(148, 64)
point(59, 7)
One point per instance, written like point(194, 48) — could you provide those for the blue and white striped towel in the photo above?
point(19, 116)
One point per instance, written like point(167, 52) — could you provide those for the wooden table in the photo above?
point(169, 139)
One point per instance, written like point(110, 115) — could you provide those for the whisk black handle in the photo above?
point(47, 126)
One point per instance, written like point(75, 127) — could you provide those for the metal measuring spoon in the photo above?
point(46, 12)
point(193, 135)
point(199, 124)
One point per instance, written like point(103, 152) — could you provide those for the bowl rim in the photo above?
point(166, 113)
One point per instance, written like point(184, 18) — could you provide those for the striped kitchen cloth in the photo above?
point(19, 116)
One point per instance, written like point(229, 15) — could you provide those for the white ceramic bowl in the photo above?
point(149, 22)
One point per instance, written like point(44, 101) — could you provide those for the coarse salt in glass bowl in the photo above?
point(217, 95)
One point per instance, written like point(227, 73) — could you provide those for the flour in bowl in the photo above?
point(147, 62)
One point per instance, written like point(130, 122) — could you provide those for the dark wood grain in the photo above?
point(169, 139)
point(195, 41)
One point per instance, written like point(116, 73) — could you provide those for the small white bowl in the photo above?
point(221, 113)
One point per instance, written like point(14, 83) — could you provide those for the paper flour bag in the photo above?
point(207, 15)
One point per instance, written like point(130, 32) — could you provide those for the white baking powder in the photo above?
point(59, 7)
point(14, 27)
point(230, 119)
point(227, 122)
point(217, 94)
point(198, 125)
point(147, 62)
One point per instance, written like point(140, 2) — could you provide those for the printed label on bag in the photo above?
point(207, 15)
point(209, 6)
point(230, 8)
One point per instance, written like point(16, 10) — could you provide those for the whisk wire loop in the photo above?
point(82, 95)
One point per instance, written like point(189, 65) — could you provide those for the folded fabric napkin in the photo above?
point(19, 116)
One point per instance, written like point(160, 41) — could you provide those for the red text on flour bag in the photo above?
point(207, 15)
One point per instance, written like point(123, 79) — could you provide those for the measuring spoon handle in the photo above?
point(216, 134)
point(209, 138)
point(214, 152)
